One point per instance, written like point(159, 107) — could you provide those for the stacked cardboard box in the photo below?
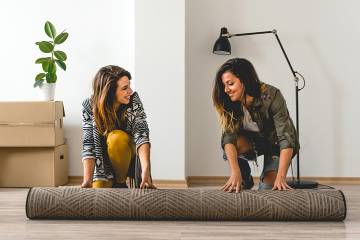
point(32, 146)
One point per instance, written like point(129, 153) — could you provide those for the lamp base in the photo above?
point(301, 184)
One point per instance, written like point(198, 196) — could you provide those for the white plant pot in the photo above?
point(47, 91)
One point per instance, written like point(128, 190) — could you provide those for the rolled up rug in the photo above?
point(184, 204)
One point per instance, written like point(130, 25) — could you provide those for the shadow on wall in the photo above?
point(73, 136)
point(336, 102)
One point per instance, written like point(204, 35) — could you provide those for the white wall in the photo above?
point(322, 41)
point(160, 74)
point(148, 37)
point(100, 33)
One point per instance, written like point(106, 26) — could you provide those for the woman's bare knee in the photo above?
point(242, 145)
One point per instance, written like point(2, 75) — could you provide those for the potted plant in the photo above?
point(46, 80)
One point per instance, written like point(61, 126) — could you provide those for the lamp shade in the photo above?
point(222, 45)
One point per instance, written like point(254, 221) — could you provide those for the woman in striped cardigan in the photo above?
point(116, 141)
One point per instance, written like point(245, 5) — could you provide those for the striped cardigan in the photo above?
point(95, 146)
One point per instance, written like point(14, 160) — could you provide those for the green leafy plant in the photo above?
point(57, 57)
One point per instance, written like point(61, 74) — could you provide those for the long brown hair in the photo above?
point(231, 113)
point(104, 97)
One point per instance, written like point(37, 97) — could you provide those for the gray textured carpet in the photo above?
point(184, 204)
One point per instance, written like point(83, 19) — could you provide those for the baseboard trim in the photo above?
point(77, 180)
point(219, 180)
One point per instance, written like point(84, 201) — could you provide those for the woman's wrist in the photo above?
point(281, 175)
point(236, 171)
point(145, 167)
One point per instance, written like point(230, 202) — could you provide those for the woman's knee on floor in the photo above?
point(102, 184)
point(271, 165)
point(269, 177)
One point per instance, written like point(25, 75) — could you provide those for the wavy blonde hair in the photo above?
point(231, 113)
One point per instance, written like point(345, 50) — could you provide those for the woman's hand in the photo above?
point(87, 183)
point(280, 184)
point(89, 165)
point(144, 155)
point(146, 179)
point(280, 180)
point(234, 182)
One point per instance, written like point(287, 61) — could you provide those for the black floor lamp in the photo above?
point(222, 47)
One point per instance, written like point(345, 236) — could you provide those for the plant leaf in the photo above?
point(61, 38)
point(38, 83)
point(51, 77)
point(45, 46)
point(41, 60)
point(40, 76)
point(48, 77)
point(61, 64)
point(54, 78)
point(51, 68)
point(60, 55)
point(50, 29)
point(45, 66)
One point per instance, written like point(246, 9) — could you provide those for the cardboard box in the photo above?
point(33, 167)
point(31, 124)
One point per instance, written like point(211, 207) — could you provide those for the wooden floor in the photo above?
point(14, 225)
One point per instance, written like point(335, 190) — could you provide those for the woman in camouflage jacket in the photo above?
point(255, 121)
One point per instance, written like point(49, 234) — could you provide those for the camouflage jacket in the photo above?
point(270, 113)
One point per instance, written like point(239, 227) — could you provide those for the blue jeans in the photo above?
point(271, 163)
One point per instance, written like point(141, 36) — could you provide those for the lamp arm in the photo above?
point(278, 40)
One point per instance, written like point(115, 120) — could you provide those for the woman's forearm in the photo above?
point(144, 155)
point(89, 166)
point(231, 154)
point(285, 159)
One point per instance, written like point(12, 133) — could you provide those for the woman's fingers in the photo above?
point(225, 186)
point(281, 186)
point(238, 188)
point(147, 184)
point(290, 188)
point(231, 188)
point(86, 185)
point(276, 186)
